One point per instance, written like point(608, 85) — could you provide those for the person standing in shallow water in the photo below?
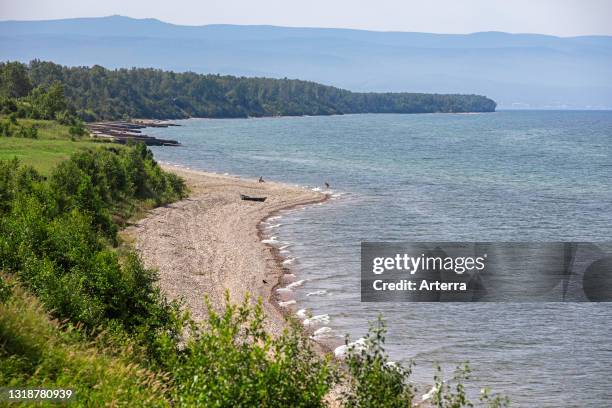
point(327, 185)
point(261, 180)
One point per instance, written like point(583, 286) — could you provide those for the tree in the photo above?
point(15, 80)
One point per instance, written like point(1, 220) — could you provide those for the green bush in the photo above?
point(54, 235)
point(5, 289)
point(11, 128)
point(232, 362)
point(38, 352)
point(77, 129)
point(373, 380)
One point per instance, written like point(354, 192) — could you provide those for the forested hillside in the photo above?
point(97, 93)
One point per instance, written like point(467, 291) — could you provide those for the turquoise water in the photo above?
point(505, 176)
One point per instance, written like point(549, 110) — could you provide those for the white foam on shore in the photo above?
point(358, 345)
point(317, 293)
point(284, 290)
point(285, 247)
point(315, 320)
point(323, 333)
point(323, 330)
point(271, 241)
point(287, 303)
point(295, 284)
point(391, 364)
point(288, 261)
point(302, 313)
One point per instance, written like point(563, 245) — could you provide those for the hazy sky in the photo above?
point(557, 17)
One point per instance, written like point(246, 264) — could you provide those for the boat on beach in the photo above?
point(250, 198)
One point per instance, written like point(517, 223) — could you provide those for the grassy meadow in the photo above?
point(53, 145)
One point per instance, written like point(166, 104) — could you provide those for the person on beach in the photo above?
point(327, 185)
point(261, 180)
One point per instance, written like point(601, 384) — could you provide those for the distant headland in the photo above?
point(97, 93)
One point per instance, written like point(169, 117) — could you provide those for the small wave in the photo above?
point(302, 313)
point(323, 333)
point(284, 290)
point(317, 293)
point(272, 241)
point(358, 345)
point(276, 217)
point(287, 303)
point(296, 284)
point(391, 364)
point(272, 226)
point(323, 330)
point(284, 247)
point(288, 261)
point(318, 319)
point(316, 189)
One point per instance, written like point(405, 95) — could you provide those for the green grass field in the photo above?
point(53, 145)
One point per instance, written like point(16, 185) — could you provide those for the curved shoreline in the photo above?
point(212, 241)
point(277, 267)
point(280, 269)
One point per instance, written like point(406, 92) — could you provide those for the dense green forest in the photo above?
point(97, 93)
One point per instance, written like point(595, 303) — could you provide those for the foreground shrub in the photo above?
point(54, 236)
point(36, 352)
point(374, 380)
point(230, 361)
point(6, 289)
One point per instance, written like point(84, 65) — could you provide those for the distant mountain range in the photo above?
point(516, 70)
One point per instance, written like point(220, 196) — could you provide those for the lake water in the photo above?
point(504, 176)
